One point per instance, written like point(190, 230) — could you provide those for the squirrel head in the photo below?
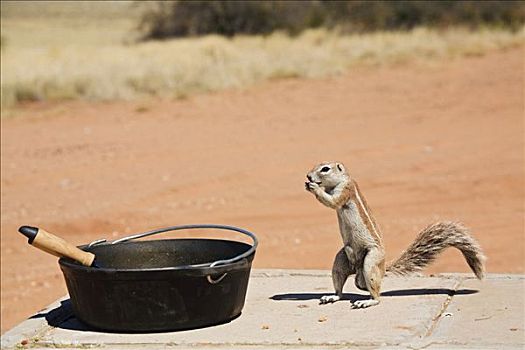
point(328, 174)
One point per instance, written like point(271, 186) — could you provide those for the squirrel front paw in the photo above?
point(311, 186)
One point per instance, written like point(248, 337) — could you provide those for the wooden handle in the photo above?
point(57, 246)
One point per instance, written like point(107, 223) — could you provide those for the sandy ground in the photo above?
point(426, 142)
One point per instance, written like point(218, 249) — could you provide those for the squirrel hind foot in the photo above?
point(361, 304)
point(327, 299)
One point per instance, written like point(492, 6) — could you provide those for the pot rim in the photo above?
point(217, 266)
point(204, 267)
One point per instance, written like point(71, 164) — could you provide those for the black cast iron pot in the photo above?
point(161, 285)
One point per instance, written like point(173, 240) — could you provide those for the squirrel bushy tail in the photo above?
point(432, 241)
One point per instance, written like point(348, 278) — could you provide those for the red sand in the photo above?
point(425, 143)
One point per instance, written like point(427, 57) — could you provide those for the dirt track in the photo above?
point(441, 141)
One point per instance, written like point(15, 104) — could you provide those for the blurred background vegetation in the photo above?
point(106, 50)
point(189, 18)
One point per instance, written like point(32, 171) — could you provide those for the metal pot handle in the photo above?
point(200, 226)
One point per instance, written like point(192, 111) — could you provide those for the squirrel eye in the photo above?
point(325, 169)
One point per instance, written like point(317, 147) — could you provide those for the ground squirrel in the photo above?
point(363, 253)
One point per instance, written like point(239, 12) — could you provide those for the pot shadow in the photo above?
point(63, 317)
point(391, 293)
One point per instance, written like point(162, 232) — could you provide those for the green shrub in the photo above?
point(226, 17)
point(191, 18)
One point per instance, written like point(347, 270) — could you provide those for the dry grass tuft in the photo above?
point(95, 66)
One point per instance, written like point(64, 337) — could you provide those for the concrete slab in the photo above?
point(494, 318)
point(282, 311)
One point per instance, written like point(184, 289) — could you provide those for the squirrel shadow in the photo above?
point(390, 293)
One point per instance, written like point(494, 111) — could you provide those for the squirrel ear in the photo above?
point(340, 167)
